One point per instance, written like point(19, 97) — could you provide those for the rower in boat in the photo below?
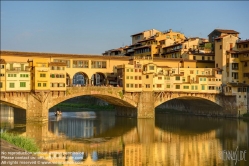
point(57, 113)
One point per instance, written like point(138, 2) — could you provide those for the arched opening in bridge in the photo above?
point(80, 79)
point(192, 105)
point(98, 79)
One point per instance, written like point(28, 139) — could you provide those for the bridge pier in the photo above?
point(145, 106)
point(37, 106)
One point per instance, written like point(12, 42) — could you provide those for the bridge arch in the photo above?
point(111, 95)
point(98, 79)
point(80, 78)
point(164, 97)
point(13, 103)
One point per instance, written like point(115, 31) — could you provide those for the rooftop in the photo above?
point(2, 61)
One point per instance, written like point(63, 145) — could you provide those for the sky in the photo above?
point(92, 27)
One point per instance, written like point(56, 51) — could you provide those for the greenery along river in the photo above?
point(100, 138)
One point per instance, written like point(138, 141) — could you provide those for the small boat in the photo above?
point(58, 113)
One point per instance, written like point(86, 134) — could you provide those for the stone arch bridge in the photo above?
point(37, 104)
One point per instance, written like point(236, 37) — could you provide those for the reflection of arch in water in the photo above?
point(98, 79)
point(80, 78)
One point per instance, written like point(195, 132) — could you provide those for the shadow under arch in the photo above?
point(80, 78)
point(191, 104)
point(112, 98)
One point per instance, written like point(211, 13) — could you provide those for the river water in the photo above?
point(101, 139)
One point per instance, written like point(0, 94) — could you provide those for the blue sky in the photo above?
point(84, 27)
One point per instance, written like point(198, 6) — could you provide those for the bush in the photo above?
point(22, 142)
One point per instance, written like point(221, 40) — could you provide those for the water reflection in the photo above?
point(6, 117)
point(169, 140)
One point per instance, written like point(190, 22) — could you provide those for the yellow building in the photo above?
point(224, 59)
point(57, 76)
point(17, 76)
point(2, 75)
point(145, 75)
point(143, 35)
point(243, 54)
point(40, 74)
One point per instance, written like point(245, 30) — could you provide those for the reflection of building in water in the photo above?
point(175, 149)
point(133, 155)
point(6, 117)
point(73, 128)
point(242, 133)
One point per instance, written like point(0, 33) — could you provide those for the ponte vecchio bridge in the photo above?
point(142, 103)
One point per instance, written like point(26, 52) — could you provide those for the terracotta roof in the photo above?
point(142, 47)
point(57, 64)
point(243, 41)
point(2, 61)
point(227, 31)
point(221, 37)
point(237, 84)
point(173, 45)
point(217, 69)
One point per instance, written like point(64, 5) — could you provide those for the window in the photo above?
point(44, 84)
point(127, 86)
point(42, 75)
point(140, 85)
point(52, 75)
point(98, 64)
point(147, 76)
point(235, 75)
point(185, 87)
point(203, 87)
point(177, 78)
point(235, 66)
point(220, 47)
point(127, 70)
point(12, 85)
point(192, 87)
point(131, 77)
point(2, 75)
point(159, 78)
point(159, 85)
point(147, 85)
point(39, 84)
point(131, 70)
point(131, 85)
point(1, 84)
point(194, 58)
point(151, 67)
point(191, 71)
point(127, 77)
point(22, 84)
point(196, 87)
point(245, 45)
point(177, 86)
point(140, 78)
point(2, 66)
point(168, 86)
point(200, 79)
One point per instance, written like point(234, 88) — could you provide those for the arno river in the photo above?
point(101, 139)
